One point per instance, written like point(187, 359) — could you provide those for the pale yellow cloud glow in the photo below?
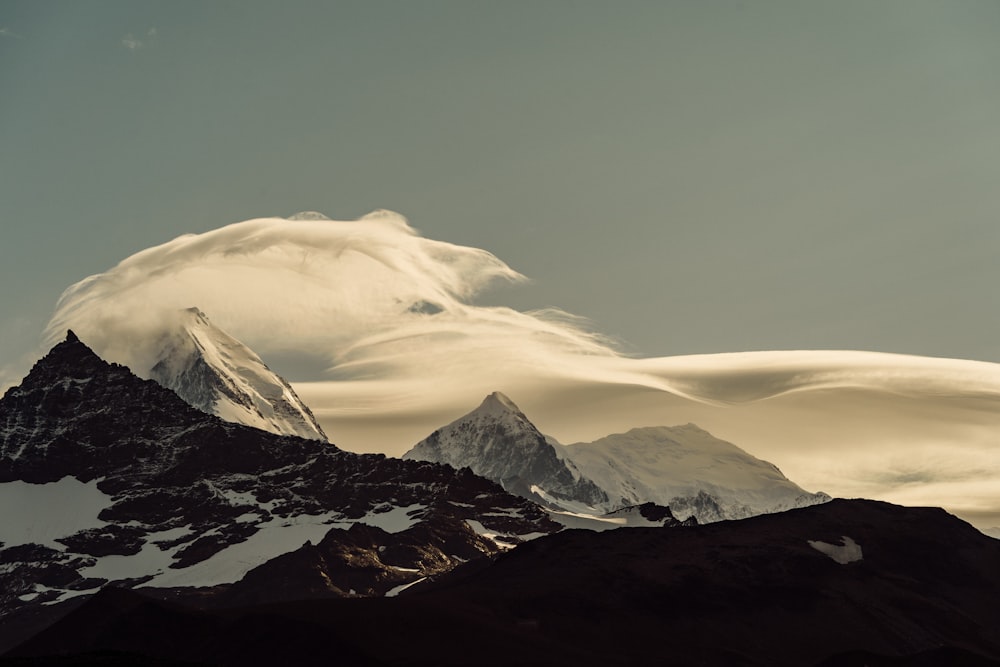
point(388, 345)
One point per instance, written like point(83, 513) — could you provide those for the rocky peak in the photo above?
point(175, 497)
point(220, 375)
point(497, 404)
point(497, 441)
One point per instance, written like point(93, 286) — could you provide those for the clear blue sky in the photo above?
point(693, 176)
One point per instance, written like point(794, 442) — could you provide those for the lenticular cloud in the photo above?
point(378, 330)
point(353, 299)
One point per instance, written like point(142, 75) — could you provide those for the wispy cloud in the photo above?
point(7, 32)
point(385, 324)
point(133, 43)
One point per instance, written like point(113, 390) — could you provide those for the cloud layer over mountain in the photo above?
point(378, 330)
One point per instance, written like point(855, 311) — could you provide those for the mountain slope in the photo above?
point(689, 470)
point(683, 468)
point(124, 482)
point(498, 442)
point(219, 375)
point(921, 590)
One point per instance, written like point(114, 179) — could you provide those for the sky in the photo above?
point(691, 178)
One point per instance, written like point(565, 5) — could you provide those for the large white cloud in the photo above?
point(377, 328)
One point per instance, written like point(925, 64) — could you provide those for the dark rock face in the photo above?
point(760, 591)
point(182, 487)
point(654, 514)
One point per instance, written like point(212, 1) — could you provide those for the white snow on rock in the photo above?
point(689, 470)
point(218, 374)
point(502, 540)
point(150, 559)
point(683, 467)
point(848, 551)
point(395, 520)
point(42, 513)
point(274, 537)
point(277, 536)
point(628, 517)
point(393, 592)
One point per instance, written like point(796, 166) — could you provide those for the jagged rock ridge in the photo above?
point(147, 490)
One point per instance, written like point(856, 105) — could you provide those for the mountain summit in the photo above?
point(689, 470)
point(683, 467)
point(106, 478)
point(219, 375)
point(498, 442)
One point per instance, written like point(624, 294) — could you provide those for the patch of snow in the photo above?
point(502, 540)
point(570, 506)
point(848, 551)
point(151, 559)
point(275, 537)
point(393, 592)
point(395, 520)
point(41, 513)
point(587, 521)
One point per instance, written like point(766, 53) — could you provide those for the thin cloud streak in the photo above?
point(385, 322)
point(133, 43)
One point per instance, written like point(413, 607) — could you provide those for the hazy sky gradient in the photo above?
point(693, 176)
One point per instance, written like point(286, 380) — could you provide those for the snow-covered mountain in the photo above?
point(498, 442)
point(689, 470)
point(107, 478)
point(683, 468)
point(219, 375)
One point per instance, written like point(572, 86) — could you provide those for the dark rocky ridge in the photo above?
point(166, 466)
point(749, 592)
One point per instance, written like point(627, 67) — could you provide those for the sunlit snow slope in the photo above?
point(218, 374)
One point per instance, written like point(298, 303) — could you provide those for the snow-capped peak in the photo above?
point(497, 404)
point(497, 441)
point(218, 374)
point(684, 467)
point(689, 470)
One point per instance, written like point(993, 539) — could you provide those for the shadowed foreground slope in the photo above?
point(769, 590)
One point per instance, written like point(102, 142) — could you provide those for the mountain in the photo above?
point(690, 471)
point(845, 583)
point(106, 478)
point(683, 468)
point(498, 442)
point(218, 374)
